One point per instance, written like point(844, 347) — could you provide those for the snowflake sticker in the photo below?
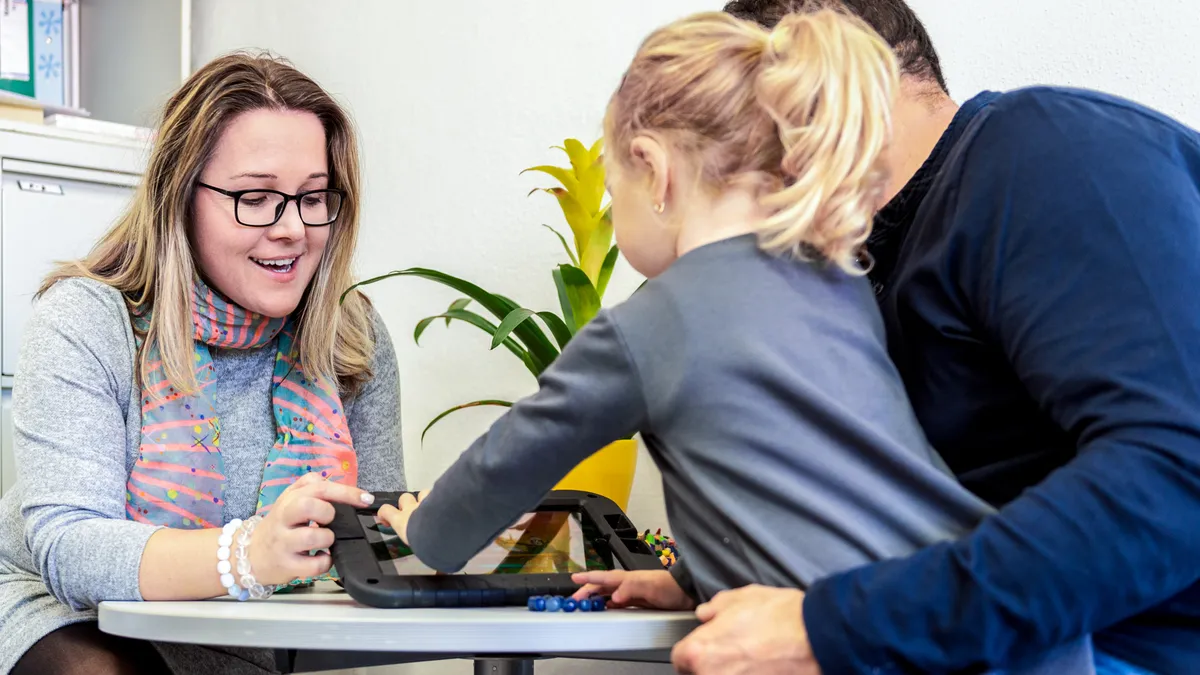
point(50, 66)
point(50, 23)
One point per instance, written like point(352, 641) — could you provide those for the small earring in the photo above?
point(660, 207)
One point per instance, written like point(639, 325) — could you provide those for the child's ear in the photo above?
point(651, 157)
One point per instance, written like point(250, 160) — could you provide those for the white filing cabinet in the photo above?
point(59, 192)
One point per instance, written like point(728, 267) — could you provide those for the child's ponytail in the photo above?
point(829, 83)
point(801, 115)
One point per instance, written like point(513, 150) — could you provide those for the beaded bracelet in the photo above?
point(244, 586)
point(224, 566)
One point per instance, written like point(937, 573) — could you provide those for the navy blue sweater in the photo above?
point(1040, 283)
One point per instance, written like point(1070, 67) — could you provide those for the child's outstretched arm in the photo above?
point(589, 397)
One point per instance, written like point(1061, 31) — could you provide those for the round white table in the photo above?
point(330, 630)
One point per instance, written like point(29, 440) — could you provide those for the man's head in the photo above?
point(894, 20)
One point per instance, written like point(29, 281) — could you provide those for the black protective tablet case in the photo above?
point(363, 578)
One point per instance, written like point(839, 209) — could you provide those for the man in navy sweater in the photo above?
point(1038, 272)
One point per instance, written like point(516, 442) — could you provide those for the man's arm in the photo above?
point(590, 396)
point(1075, 246)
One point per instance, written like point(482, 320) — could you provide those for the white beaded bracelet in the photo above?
point(224, 566)
point(244, 586)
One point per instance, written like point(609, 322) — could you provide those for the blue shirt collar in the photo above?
point(894, 220)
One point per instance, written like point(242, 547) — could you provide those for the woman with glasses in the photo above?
point(192, 397)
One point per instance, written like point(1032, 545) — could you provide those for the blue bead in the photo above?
point(597, 604)
point(569, 605)
point(539, 604)
point(530, 605)
point(553, 604)
point(585, 605)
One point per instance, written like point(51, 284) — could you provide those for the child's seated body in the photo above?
point(745, 168)
point(762, 389)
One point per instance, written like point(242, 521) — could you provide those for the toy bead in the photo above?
point(569, 605)
point(585, 605)
point(553, 604)
point(597, 604)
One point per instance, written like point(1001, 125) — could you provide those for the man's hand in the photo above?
point(752, 630)
point(397, 518)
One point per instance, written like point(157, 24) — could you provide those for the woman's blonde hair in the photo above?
point(147, 255)
point(801, 114)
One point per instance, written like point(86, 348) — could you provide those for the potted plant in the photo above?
point(537, 337)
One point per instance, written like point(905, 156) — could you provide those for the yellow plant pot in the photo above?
point(609, 473)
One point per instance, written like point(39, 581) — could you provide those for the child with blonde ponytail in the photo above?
point(745, 167)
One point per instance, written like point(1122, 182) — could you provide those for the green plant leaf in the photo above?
point(484, 325)
point(558, 327)
point(553, 353)
point(566, 246)
point(541, 351)
point(606, 270)
point(563, 176)
point(473, 404)
point(422, 325)
point(564, 300)
point(461, 303)
point(592, 256)
point(575, 290)
point(509, 323)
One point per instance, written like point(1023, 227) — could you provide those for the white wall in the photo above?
point(1147, 51)
point(453, 101)
point(455, 98)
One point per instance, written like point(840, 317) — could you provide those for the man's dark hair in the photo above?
point(894, 20)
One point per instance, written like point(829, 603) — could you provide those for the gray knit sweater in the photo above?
point(65, 543)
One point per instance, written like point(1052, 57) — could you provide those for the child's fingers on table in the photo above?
point(626, 593)
point(607, 578)
point(638, 588)
point(590, 590)
point(406, 501)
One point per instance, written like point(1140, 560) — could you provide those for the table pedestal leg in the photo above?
point(503, 667)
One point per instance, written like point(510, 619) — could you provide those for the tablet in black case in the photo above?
point(569, 532)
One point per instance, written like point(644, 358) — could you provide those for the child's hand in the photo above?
point(649, 589)
point(397, 518)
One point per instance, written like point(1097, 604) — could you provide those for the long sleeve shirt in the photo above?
point(1039, 279)
point(763, 391)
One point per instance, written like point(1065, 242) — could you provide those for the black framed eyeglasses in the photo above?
point(264, 208)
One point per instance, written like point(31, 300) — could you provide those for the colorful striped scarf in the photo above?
point(179, 477)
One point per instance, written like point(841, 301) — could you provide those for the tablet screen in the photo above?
point(540, 542)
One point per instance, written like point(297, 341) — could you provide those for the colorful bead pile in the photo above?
point(555, 603)
point(663, 547)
